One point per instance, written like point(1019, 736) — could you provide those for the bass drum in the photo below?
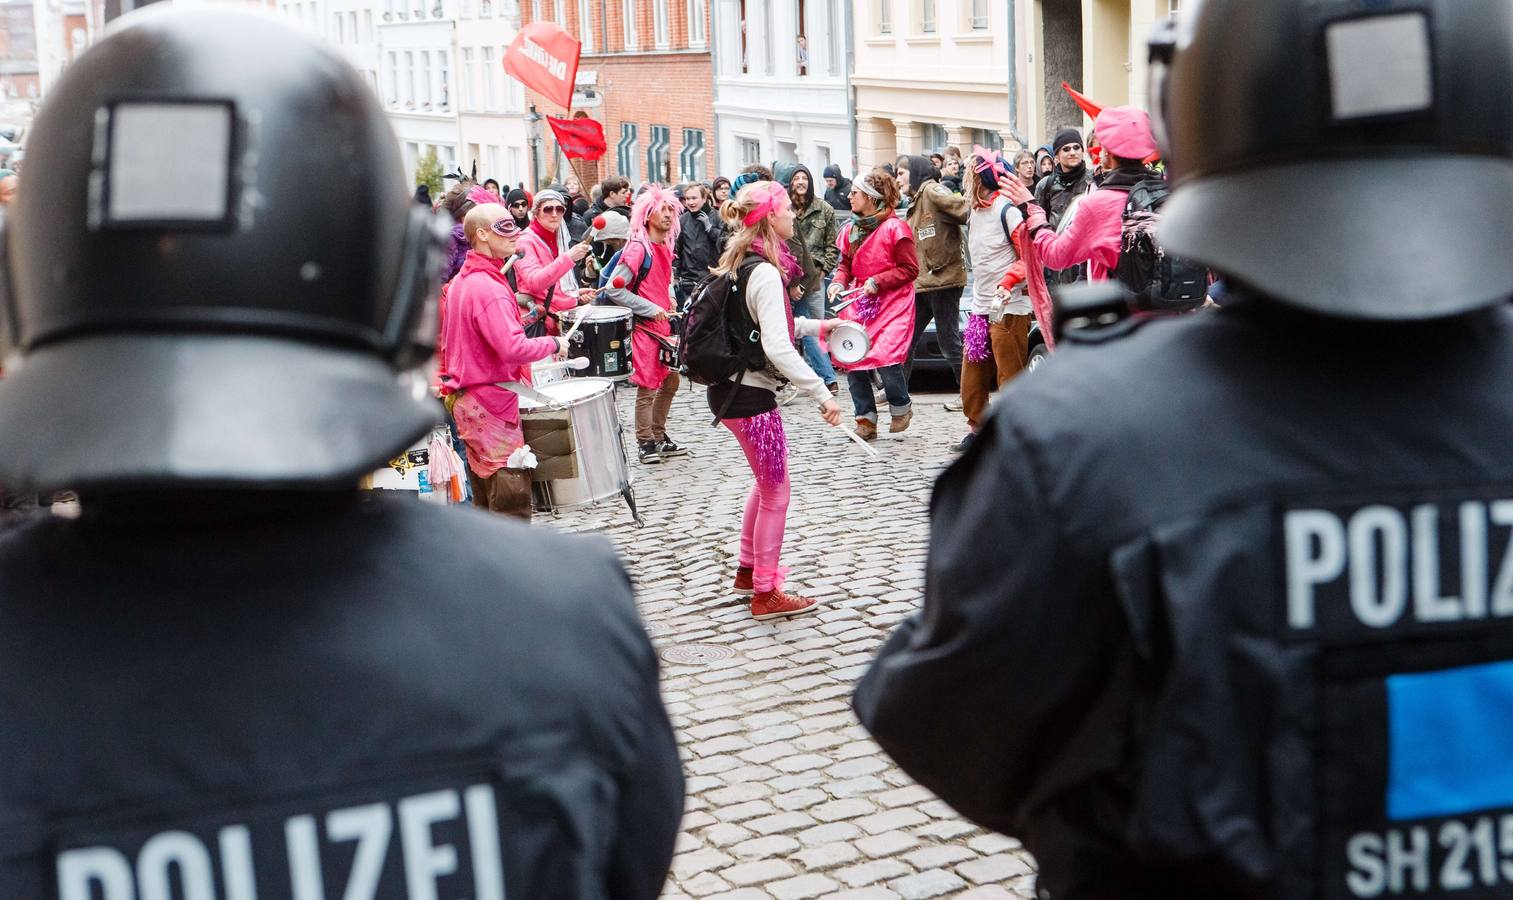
point(604, 337)
point(577, 441)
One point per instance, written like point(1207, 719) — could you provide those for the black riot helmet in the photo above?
point(1351, 157)
point(215, 273)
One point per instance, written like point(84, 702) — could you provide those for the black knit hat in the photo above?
point(1065, 136)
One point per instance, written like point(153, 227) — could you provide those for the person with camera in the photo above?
point(1251, 639)
point(235, 674)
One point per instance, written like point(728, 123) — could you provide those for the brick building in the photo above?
point(646, 75)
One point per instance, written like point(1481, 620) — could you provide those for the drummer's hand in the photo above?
point(835, 288)
point(562, 347)
point(830, 411)
point(1001, 293)
point(661, 316)
point(586, 296)
point(870, 288)
point(1015, 192)
point(578, 251)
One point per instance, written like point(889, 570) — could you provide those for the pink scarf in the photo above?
point(788, 266)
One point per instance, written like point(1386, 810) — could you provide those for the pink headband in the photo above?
point(776, 199)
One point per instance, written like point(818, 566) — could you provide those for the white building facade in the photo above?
point(931, 73)
point(491, 104)
point(781, 90)
point(417, 51)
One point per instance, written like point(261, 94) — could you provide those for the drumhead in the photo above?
point(848, 343)
point(597, 313)
point(570, 391)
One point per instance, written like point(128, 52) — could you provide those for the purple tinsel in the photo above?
point(765, 432)
point(457, 251)
point(867, 308)
point(975, 339)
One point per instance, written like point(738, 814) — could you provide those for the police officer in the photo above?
point(235, 676)
point(1221, 606)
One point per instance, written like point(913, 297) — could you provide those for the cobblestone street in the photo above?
point(787, 797)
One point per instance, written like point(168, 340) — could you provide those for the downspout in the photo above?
point(712, 41)
point(850, 29)
point(1014, 131)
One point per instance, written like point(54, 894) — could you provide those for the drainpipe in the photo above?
point(712, 41)
point(1014, 131)
point(850, 88)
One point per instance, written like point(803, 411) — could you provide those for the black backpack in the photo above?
point(719, 340)
point(1161, 282)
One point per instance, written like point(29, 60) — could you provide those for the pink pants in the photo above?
point(762, 440)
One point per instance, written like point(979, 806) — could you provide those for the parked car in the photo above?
point(929, 358)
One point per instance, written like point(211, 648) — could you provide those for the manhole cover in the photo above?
point(695, 653)
point(657, 629)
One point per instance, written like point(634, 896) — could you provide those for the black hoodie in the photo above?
point(839, 197)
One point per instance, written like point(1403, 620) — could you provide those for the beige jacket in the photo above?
point(936, 217)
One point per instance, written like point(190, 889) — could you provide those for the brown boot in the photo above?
point(901, 423)
point(866, 429)
point(743, 586)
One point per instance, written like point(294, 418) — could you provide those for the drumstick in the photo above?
point(859, 442)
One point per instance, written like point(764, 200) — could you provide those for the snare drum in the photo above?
point(848, 343)
point(588, 463)
point(604, 337)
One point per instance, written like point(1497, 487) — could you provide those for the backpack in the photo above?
point(1161, 282)
point(606, 274)
point(718, 339)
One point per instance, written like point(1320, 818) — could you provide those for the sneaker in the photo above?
point(668, 448)
point(743, 586)
point(778, 605)
point(952, 405)
point(900, 424)
point(962, 445)
point(651, 453)
point(866, 429)
point(787, 395)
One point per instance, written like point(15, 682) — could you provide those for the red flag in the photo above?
point(544, 58)
point(1092, 109)
point(579, 138)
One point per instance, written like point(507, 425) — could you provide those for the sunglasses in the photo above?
point(519, 203)
point(553, 210)
point(1077, 147)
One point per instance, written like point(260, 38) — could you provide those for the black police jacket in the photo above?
point(353, 698)
point(1223, 608)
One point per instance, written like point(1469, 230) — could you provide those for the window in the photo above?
point(691, 158)
point(493, 164)
point(884, 16)
point(410, 79)
point(486, 9)
point(535, 10)
point(393, 77)
point(562, 13)
point(467, 79)
point(367, 26)
point(425, 79)
point(656, 155)
point(628, 19)
point(824, 155)
point(801, 48)
point(696, 33)
point(659, 23)
point(514, 96)
point(445, 66)
point(768, 44)
point(927, 16)
point(465, 9)
point(341, 28)
point(1173, 7)
point(489, 78)
point(625, 152)
point(979, 16)
point(585, 26)
point(751, 151)
point(934, 138)
point(834, 35)
point(989, 140)
point(515, 165)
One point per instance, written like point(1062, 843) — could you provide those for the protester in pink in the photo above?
point(545, 269)
point(486, 345)
point(761, 222)
point(1093, 227)
point(647, 292)
point(877, 256)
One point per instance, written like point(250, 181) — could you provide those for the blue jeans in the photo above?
point(895, 386)
point(813, 307)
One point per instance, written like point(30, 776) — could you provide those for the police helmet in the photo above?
point(214, 275)
point(1351, 157)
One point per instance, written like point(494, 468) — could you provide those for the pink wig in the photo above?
point(651, 200)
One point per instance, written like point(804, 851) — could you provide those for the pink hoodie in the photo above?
point(1091, 234)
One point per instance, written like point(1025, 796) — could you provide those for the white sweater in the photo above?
point(768, 304)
